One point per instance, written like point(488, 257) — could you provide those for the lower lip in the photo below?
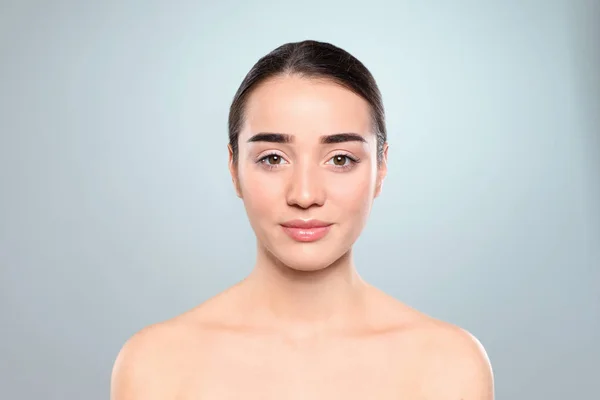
point(307, 234)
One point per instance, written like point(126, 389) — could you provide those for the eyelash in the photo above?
point(351, 164)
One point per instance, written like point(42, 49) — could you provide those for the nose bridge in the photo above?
point(305, 186)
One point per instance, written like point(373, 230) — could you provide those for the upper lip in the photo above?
point(305, 224)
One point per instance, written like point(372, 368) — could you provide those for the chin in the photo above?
point(305, 265)
point(307, 257)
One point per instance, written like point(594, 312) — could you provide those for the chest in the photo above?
point(335, 371)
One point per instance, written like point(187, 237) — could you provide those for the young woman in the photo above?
point(307, 155)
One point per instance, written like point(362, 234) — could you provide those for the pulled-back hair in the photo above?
point(311, 59)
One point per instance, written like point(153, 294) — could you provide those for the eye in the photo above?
point(272, 159)
point(340, 160)
point(343, 162)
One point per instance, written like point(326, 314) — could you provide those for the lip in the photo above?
point(306, 230)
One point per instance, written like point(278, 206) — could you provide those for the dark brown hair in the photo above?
point(311, 59)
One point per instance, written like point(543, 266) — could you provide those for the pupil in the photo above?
point(339, 160)
point(274, 160)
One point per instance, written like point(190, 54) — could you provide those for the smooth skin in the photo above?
point(304, 324)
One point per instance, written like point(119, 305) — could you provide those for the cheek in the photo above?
point(261, 193)
point(353, 193)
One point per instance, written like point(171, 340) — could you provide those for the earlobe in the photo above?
point(233, 173)
point(382, 171)
point(238, 191)
point(378, 188)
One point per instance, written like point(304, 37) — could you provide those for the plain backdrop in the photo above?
point(117, 210)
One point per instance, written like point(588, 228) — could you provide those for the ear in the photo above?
point(382, 170)
point(234, 173)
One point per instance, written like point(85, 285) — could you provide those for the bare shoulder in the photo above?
point(451, 361)
point(458, 363)
point(145, 365)
point(155, 362)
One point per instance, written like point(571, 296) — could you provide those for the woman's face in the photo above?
point(307, 169)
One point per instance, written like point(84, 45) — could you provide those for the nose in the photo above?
point(305, 188)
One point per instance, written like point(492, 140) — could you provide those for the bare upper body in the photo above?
point(307, 155)
point(217, 351)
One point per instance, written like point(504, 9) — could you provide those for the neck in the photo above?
point(306, 300)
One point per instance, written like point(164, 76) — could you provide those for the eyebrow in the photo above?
point(326, 139)
point(271, 138)
point(342, 137)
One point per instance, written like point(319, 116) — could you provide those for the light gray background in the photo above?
point(116, 208)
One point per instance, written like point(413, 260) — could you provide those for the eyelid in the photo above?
point(268, 153)
point(344, 153)
point(352, 162)
point(262, 160)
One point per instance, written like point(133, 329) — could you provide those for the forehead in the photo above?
point(305, 107)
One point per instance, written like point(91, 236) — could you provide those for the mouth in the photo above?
point(306, 231)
